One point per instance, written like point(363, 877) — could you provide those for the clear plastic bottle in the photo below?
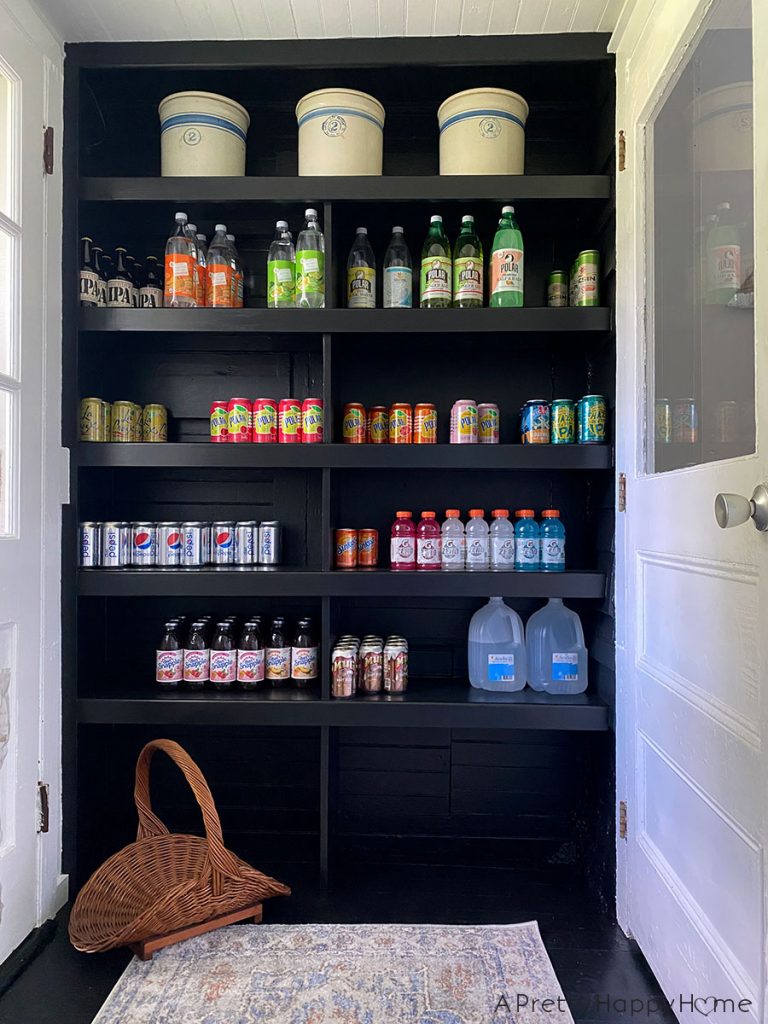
point(552, 534)
point(361, 273)
point(310, 264)
point(452, 541)
point(496, 648)
point(398, 273)
point(477, 546)
point(238, 276)
point(281, 269)
point(468, 267)
point(507, 262)
point(435, 281)
point(219, 277)
point(202, 264)
point(402, 545)
point(502, 541)
point(428, 543)
point(191, 230)
point(527, 542)
point(723, 257)
point(557, 655)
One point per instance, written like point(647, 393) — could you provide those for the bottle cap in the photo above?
point(403, 515)
point(452, 513)
point(222, 227)
point(87, 238)
point(550, 513)
point(467, 216)
point(310, 213)
point(477, 513)
point(500, 513)
point(427, 515)
point(361, 231)
point(524, 513)
point(507, 209)
point(180, 216)
point(397, 231)
point(435, 217)
point(281, 224)
point(192, 227)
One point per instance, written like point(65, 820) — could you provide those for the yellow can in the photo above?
point(92, 420)
point(154, 423)
point(123, 421)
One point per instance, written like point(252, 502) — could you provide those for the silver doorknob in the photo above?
point(735, 509)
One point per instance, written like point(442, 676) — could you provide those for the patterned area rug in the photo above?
point(344, 974)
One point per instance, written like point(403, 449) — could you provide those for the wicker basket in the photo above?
point(163, 882)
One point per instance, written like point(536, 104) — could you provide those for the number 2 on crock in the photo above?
point(507, 271)
point(310, 272)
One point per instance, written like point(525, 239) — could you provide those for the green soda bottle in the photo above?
point(723, 258)
point(435, 290)
point(468, 267)
point(507, 262)
point(281, 269)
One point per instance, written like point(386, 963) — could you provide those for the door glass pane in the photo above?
point(8, 297)
point(701, 364)
point(6, 149)
point(6, 468)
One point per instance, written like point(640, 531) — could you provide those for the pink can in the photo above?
point(464, 421)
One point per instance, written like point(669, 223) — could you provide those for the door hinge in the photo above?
point(622, 151)
point(48, 149)
point(622, 499)
point(622, 819)
point(42, 795)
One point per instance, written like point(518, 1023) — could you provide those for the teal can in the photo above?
point(563, 421)
point(592, 411)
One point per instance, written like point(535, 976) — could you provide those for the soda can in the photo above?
point(488, 423)
point(289, 421)
point(143, 544)
point(345, 548)
point(425, 423)
point(123, 421)
point(534, 422)
point(378, 425)
point(154, 423)
point(92, 420)
point(114, 545)
point(106, 419)
point(400, 423)
point(587, 291)
point(343, 671)
point(169, 544)
point(196, 543)
point(662, 421)
point(464, 421)
point(244, 532)
point(563, 421)
point(312, 420)
point(223, 542)
point(136, 423)
point(727, 422)
point(370, 666)
point(368, 548)
point(270, 548)
point(90, 545)
point(353, 423)
point(239, 420)
point(395, 669)
point(218, 418)
point(558, 285)
point(591, 419)
point(264, 421)
point(685, 421)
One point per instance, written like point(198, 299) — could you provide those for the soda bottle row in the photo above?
point(549, 653)
point(296, 273)
point(524, 547)
point(564, 421)
point(373, 666)
point(356, 548)
point(265, 421)
point(122, 421)
point(226, 655)
point(578, 287)
point(118, 280)
point(118, 545)
point(197, 274)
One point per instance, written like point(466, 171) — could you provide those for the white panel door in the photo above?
point(692, 598)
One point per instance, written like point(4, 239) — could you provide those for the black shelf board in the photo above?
point(440, 703)
point(284, 582)
point(205, 454)
point(349, 321)
point(498, 188)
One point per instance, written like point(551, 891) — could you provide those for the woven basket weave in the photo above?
point(163, 882)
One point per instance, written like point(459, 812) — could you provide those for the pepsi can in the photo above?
point(143, 544)
point(244, 542)
point(114, 545)
point(195, 543)
point(168, 544)
point(223, 543)
point(90, 545)
point(269, 551)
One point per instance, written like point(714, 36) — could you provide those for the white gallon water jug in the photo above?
point(482, 131)
point(202, 133)
point(557, 656)
point(341, 132)
point(496, 648)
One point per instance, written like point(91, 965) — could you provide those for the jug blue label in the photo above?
point(501, 668)
point(565, 668)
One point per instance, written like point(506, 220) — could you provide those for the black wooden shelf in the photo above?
point(441, 703)
point(286, 582)
point(349, 321)
point(205, 454)
point(375, 189)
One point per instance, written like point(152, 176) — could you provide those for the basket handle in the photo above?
point(223, 862)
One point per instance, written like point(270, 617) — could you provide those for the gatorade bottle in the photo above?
point(428, 543)
point(402, 545)
point(502, 541)
point(219, 274)
point(507, 262)
point(452, 541)
point(526, 541)
point(477, 541)
point(179, 267)
point(552, 534)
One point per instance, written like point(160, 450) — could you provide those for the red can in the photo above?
point(353, 423)
point(312, 420)
point(345, 542)
point(219, 428)
point(378, 425)
point(239, 419)
point(368, 548)
point(289, 421)
point(400, 424)
point(425, 423)
point(264, 420)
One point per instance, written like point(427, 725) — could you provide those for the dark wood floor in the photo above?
point(594, 961)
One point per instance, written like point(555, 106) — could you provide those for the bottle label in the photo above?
point(502, 550)
point(223, 666)
point(150, 298)
point(310, 272)
point(428, 551)
point(304, 663)
point(452, 551)
point(507, 271)
point(725, 267)
point(281, 283)
point(102, 292)
point(196, 666)
point(468, 278)
point(218, 290)
point(552, 551)
point(250, 666)
point(402, 550)
point(398, 287)
point(361, 288)
point(565, 668)
point(179, 277)
point(477, 551)
point(120, 293)
point(436, 277)
point(90, 288)
point(278, 663)
point(501, 668)
point(201, 284)
point(527, 550)
point(169, 666)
